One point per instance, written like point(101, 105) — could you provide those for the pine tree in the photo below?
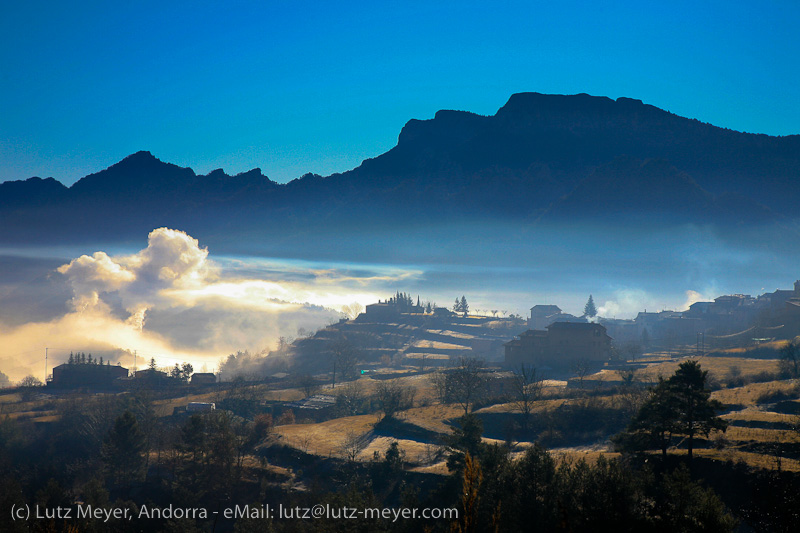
point(464, 305)
point(186, 371)
point(457, 306)
point(680, 404)
point(123, 448)
point(589, 310)
point(71, 359)
point(696, 411)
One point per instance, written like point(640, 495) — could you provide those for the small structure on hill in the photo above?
point(314, 403)
point(544, 315)
point(381, 311)
point(561, 345)
point(84, 375)
point(200, 407)
point(203, 378)
point(317, 407)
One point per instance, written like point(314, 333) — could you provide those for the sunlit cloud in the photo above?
point(171, 301)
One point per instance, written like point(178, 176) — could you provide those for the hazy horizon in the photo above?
point(177, 300)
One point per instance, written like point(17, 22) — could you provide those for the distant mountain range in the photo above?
point(540, 161)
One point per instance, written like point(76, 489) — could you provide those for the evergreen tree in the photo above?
point(680, 404)
point(589, 310)
point(465, 440)
point(71, 359)
point(123, 449)
point(457, 306)
point(186, 371)
point(696, 412)
point(654, 423)
point(464, 305)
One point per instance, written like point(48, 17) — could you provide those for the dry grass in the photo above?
point(749, 435)
point(453, 334)
point(743, 351)
point(439, 468)
point(325, 438)
point(432, 417)
point(538, 407)
point(35, 415)
point(416, 453)
point(438, 345)
point(573, 456)
point(718, 367)
point(748, 394)
point(755, 414)
point(756, 460)
point(10, 398)
point(431, 356)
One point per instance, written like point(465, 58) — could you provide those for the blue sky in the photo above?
point(295, 87)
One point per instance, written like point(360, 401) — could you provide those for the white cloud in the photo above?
point(172, 302)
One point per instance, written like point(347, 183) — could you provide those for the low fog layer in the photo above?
point(171, 302)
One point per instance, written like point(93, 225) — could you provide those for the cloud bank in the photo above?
point(170, 301)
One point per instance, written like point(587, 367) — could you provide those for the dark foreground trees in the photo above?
point(537, 493)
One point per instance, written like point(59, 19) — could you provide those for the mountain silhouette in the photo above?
point(541, 159)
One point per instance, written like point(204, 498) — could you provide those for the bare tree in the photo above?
point(467, 383)
point(581, 368)
point(632, 394)
point(345, 358)
point(394, 397)
point(526, 386)
point(28, 386)
point(350, 399)
point(309, 385)
point(352, 310)
point(789, 364)
point(631, 350)
point(304, 442)
point(352, 445)
point(441, 386)
point(30, 381)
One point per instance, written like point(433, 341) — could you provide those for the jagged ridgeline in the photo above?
point(541, 161)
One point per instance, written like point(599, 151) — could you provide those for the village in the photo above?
point(402, 384)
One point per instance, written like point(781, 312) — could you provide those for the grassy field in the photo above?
point(761, 414)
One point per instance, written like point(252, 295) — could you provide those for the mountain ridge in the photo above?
point(538, 159)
